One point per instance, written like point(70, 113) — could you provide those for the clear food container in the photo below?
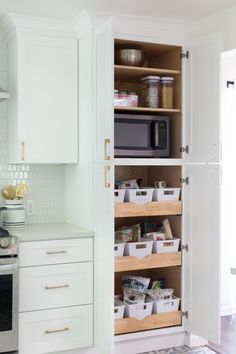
point(166, 92)
point(151, 91)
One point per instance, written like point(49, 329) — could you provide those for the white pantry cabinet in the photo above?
point(195, 125)
point(42, 113)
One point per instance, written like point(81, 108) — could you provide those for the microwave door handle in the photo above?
point(156, 135)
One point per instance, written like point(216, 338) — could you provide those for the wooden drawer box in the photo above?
point(55, 252)
point(55, 330)
point(55, 286)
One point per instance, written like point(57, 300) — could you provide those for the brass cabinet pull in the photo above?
point(107, 149)
point(56, 287)
point(22, 151)
point(56, 252)
point(50, 331)
point(107, 176)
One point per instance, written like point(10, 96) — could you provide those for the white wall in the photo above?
point(224, 22)
point(228, 245)
point(46, 182)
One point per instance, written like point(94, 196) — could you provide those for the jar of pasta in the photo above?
point(151, 91)
point(166, 92)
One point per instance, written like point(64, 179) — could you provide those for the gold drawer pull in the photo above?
point(56, 252)
point(107, 177)
point(50, 331)
point(106, 148)
point(56, 287)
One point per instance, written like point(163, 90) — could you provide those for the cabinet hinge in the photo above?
point(184, 55)
point(184, 180)
point(185, 247)
point(184, 149)
point(185, 314)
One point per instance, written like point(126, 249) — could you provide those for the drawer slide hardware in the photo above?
point(184, 55)
point(50, 331)
point(56, 252)
point(184, 180)
point(184, 149)
point(185, 248)
point(185, 314)
point(56, 287)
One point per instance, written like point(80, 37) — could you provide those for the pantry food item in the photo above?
point(135, 282)
point(131, 184)
point(151, 91)
point(155, 236)
point(166, 92)
point(160, 294)
point(132, 296)
point(158, 284)
point(128, 234)
point(167, 230)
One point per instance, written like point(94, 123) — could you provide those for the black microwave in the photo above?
point(141, 136)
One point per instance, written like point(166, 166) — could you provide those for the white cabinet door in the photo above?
point(103, 91)
point(104, 260)
point(202, 115)
point(44, 86)
point(201, 264)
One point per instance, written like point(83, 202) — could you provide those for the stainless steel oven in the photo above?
point(9, 294)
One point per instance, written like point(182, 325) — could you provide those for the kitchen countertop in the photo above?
point(46, 232)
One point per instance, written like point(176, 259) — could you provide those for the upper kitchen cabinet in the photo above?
point(42, 80)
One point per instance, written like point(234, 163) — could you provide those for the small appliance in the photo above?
point(141, 136)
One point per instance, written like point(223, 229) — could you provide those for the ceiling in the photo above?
point(177, 9)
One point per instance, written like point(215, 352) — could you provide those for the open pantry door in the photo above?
point(103, 67)
point(201, 263)
point(201, 128)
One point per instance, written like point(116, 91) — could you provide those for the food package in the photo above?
point(167, 230)
point(135, 282)
point(127, 184)
point(128, 234)
point(158, 284)
point(155, 236)
point(160, 294)
point(131, 296)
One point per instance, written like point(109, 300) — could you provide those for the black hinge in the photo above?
point(185, 247)
point(184, 149)
point(184, 55)
point(185, 314)
point(184, 180)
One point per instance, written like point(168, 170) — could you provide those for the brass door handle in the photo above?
point(107, 170)
point(22, 151)
point(56, 287)
point(50, 331)
point(56, 252)
point(107, 149)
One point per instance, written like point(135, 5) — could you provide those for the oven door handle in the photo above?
point(6, 267)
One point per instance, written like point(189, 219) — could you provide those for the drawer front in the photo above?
point(55, 286)
point(55, 252)
point(55, 330)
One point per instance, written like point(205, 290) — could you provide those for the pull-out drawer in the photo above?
point(55, 330)
point(55, 286)
point(56, 251)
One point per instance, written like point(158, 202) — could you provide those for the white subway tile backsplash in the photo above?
point(46, 182)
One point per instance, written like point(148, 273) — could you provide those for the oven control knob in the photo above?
point(4, 243)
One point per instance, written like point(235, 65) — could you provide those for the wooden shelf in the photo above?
point(143, 161)
point(146, 109)
point(126, 263)
point(126, 210)
point(135, 73)
point(129, 325)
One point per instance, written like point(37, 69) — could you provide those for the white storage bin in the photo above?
point(139, 311)
point(139, 196)
point(119, 308)
point(119, 249)
point(164, 194)
point(119, 195)
point(138, 249)
point(168, 305)
point(166, 246)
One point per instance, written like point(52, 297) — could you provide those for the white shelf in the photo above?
point(147, 162)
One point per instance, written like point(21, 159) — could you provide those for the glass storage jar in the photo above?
point(166, 92)
point(151, 91)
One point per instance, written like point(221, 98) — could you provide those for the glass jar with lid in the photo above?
point(151, 91)
point(166, 92)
